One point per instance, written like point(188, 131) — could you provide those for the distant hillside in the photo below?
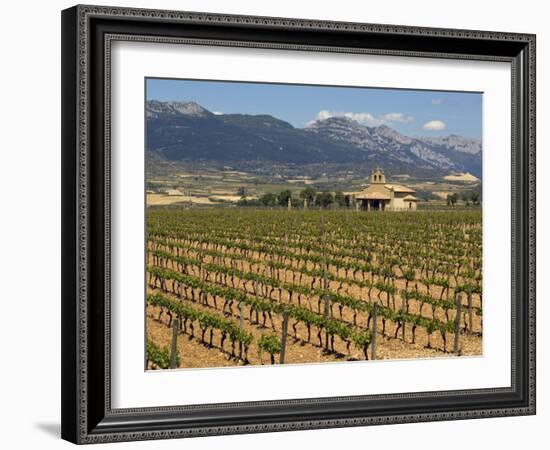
point(187, 132)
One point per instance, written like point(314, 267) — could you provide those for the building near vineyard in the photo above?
point(382, 196)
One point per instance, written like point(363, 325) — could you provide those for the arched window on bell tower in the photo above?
point(377, 176)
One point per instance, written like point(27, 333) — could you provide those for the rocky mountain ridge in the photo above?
point(186, 131)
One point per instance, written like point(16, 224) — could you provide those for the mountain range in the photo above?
point(188, 132)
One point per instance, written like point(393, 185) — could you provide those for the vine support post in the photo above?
point(470, 312)
point(458, 302)
point(283, 337)
point(174, 349)
point(327, 315)
point(241, 314)
point(374, 331)
point(404, 303)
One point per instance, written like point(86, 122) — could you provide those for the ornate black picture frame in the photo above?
point(87, 34)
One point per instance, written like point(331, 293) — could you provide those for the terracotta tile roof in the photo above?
point(372, 196)
point(400, 188)
point(410, 198)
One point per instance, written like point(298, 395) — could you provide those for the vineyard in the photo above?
point(236, 286)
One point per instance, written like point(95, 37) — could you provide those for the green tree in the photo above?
point(340, 198)
point(245, 201)
point(324, 199)
point(452, 199)
point(269, 199)
point(349, 200)
point(309, 194)
point(283, 197)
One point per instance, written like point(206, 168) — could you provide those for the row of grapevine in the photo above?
point(235, 273)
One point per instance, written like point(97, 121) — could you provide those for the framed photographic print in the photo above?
point(280, 224)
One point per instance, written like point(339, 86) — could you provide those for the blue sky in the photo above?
point(411, 112)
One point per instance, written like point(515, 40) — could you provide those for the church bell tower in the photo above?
point(377, 176)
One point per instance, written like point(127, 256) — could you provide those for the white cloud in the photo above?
point(434, 125)
point(396, 117)
point(323, 114)
point(365, 118)
point(437, 101)
point(217, 113)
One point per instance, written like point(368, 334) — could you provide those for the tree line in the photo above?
point(468, 198)
point(308, 197)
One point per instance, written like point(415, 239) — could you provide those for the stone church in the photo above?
point(382, 196)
